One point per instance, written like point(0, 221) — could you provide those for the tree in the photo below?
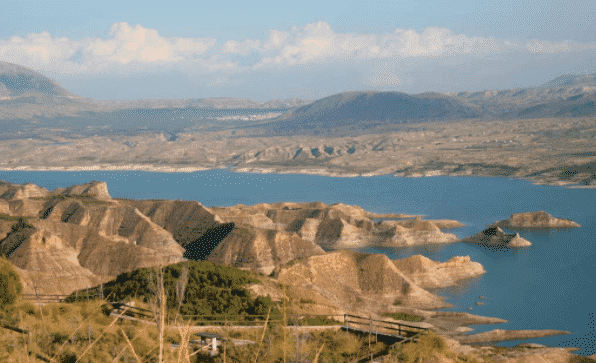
point(10, 283)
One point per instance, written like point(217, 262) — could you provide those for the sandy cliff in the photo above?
point(427, 273)
point(339, 225)
point(83, 235)
point(74, 237)
point(357, 280)
point(261, 249)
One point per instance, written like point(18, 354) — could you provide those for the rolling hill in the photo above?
point(356, 108)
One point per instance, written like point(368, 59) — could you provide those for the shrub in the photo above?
point(10, 283)
point(212, 289)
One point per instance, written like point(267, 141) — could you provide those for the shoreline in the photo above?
point(499, 333)
point(257, 170)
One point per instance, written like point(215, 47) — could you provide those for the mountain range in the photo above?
point(26, 94)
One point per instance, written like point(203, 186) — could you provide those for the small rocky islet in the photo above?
point(74, 238)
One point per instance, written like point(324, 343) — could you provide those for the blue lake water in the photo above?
point(551, 285)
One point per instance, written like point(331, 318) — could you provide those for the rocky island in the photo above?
point(539, 219)
point(495, 236)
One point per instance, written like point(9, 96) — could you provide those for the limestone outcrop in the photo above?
point(261, 249)
point(338, 225)
point(497, 237)
point(411, 232)
point(539, 219)
point(84, 236)
point(95, 189)
point(187, 221)
point(73, 238)
point(355, 280)
point(427, 273)
point(10, 191)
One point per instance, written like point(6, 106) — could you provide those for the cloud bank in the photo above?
point(373, 60)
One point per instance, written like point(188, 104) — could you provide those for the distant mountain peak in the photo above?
point(18, 81)
point(571, 80)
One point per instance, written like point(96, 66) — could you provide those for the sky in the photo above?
point(267, 50)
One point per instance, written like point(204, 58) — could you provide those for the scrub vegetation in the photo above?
point(86, 329)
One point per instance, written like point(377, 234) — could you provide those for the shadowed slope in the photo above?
point(354, 108)
point(358, 280)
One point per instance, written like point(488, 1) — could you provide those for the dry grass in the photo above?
point(83, 332)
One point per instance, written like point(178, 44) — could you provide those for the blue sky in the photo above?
point(308, 49)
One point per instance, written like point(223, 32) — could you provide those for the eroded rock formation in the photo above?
point(539, 219)
point(496, 237)
point(71, 238)
point(339, 225)
point(261, 249)
point(427, 273)
point(357, 280)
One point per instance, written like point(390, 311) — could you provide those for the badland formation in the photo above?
point(73, 238)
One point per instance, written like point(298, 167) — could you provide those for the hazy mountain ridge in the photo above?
point(17, 81)
point(26, 94)
point(353, 108)
point(572, 80)
point(566, 96)
point(533, 102)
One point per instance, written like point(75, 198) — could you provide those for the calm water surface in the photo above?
point(551, 285)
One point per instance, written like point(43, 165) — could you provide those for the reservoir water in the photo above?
point(551, 285)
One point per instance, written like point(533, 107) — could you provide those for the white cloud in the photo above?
point(233, 46)
point(276, 39)
point(133, 49)
point(127, 45)
point(317, 42)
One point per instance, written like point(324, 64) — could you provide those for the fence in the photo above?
point(223, 320)
point(383, 327)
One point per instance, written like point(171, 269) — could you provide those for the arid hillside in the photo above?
point(70, 238)
point(544, 134)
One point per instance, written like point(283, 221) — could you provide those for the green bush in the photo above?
point(10, 283)
point(213, 290)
